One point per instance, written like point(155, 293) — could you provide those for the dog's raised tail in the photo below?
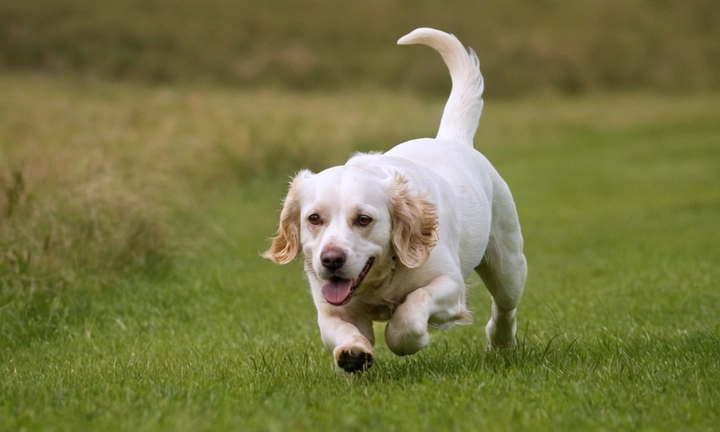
point(463, 108)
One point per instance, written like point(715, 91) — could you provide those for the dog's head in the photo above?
point(352, 223)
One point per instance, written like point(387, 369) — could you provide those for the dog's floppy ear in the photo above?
point(415, 223)
point(286, 243)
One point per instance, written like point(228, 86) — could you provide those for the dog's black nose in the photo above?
point(333, 259)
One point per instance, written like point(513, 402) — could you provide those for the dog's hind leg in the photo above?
point(503, 269)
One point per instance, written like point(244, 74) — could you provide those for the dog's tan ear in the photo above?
point(415, 223)
point(286, 243)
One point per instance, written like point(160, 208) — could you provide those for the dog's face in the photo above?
point(351, 225)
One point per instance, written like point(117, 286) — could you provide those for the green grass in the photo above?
point(619, 198)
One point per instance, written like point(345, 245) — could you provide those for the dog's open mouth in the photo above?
point(338, 291)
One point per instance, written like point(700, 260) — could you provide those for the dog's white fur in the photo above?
point(424, 215)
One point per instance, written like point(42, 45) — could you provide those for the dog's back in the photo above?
point(451, 154)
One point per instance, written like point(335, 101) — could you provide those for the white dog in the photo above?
point(392, 237)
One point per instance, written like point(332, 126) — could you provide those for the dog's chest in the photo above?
point(381, 306)
point(382, 300)
point(381, 312)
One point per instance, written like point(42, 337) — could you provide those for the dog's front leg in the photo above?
point(441, 302)
point(350, 340)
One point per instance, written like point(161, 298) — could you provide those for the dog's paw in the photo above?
point(404, 343)
point(500, 335)
point(406, 334)
point(353, 359)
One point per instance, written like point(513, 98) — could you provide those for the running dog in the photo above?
point(392, 237)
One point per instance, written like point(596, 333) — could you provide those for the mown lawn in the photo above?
point(133, 296)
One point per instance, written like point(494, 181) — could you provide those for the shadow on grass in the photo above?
point(604, 354)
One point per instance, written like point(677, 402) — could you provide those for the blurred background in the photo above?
point(526, 46)
point(115, 113)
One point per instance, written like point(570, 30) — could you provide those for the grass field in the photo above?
point(526, 46)
point(133, 297)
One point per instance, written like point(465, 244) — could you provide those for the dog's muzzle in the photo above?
point(338, 291)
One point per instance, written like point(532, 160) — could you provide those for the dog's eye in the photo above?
point(363, 220)
point(314, 219)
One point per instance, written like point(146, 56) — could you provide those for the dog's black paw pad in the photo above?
point(354, 362)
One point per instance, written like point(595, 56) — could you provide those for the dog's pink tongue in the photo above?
point(336, 291)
